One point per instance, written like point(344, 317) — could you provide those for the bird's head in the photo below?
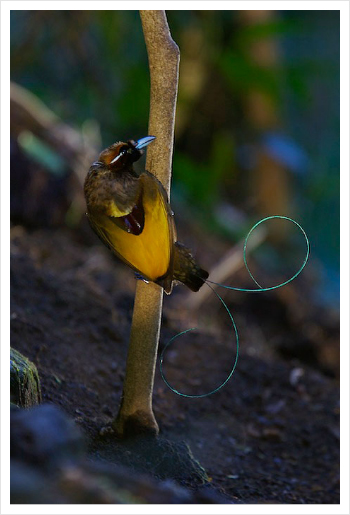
point(120, 154)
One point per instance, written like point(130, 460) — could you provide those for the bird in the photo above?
point(131, 214)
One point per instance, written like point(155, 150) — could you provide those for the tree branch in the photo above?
point(136, 413)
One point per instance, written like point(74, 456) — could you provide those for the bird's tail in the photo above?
point(186, 269)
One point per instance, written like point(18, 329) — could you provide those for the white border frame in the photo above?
point(6, 508)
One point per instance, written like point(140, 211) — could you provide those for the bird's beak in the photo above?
point(143, 142)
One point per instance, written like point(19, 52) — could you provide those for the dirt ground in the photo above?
point(271, 435)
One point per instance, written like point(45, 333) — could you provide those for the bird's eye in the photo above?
point(124, 149)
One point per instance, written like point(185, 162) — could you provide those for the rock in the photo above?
point(50, 465)
point(45, 436)
point(24, 381)
point(32, 486)
point(87, 482)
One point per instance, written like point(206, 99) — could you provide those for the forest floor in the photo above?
point(270, 435)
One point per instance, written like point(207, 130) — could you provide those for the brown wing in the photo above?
point(150, 252)
point(115, 198)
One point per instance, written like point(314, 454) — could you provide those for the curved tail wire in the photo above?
point(248, 290)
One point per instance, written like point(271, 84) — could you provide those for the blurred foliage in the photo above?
point(92, 65)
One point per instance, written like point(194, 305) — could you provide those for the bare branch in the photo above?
point(136, 413)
